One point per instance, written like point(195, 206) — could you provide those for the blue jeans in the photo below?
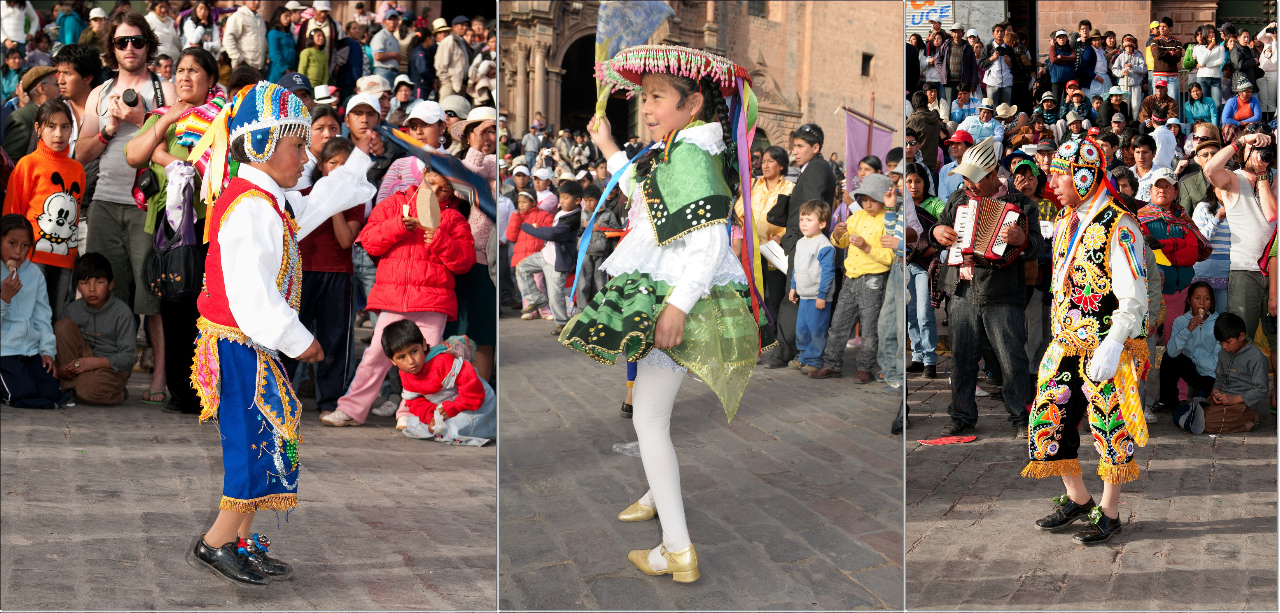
point(922, 325)
point(387, 73)
point(811, 331)
point(889, 351)
point(1000, 95)
point(1212, 88)
point(1005, 326)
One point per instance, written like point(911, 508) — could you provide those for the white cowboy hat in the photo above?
point(479, 115)
point(977, 162)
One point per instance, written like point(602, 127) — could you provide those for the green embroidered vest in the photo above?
point(685, 190)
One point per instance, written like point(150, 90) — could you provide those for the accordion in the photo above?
point(977, 224)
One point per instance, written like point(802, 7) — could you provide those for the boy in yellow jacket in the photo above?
point(867, 268)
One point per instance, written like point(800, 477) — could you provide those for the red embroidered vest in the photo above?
point(213, 298)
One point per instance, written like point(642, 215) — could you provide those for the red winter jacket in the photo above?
point(414, 276)
point(527, 244)
point(430, 380)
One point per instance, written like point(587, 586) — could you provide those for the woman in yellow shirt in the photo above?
point(766, 190)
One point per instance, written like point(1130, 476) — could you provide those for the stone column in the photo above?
point(540, 78)
point(521, 96)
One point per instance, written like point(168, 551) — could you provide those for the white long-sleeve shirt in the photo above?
point(166, 31)
point(193, 34)
point(1212, 61)
point(1137, 67)
point(979, 130)
point(1166, 147)
point(14, 22)
point(1130, 290)
point(693, 263)
point(252, 242)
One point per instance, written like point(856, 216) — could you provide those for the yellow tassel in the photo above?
point(1118, 474)
point(271, 502)
point(631, 383)
point(1053, 468)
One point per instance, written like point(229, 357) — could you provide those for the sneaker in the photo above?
point(1066, 514)
point(386, 409)
point(980, 393)
point(338, 418)
point(1020, 431)
point(797, 364)
point(533, 308)
point(806, 369)
point(955, 427)
point(931, 371)
point(529, 316)
point(549, 317)
point(402, 422)
point(1149, 415)
point(1100, 529)
point(557, 330)
point(856, 342)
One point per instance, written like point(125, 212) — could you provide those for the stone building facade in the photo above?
point(806, 59)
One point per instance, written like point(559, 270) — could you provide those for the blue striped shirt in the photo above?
point(1218, 266)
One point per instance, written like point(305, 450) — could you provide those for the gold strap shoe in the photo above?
point(681, 565)
point(637, 512)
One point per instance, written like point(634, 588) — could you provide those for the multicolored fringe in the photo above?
point(624, 70)
point(270, 502)
point(1055, 468)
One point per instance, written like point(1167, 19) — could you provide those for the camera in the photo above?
point(129, 97)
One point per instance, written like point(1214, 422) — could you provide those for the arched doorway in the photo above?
point(578, 93)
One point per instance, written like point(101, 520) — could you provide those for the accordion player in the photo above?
point(978, 223)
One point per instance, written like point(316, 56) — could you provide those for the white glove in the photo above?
point(181, 175)
point(1105, 361)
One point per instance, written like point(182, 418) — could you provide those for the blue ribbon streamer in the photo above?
point(585, 239)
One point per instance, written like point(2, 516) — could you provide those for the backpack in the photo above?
point(174, 267)
point(1229, 418)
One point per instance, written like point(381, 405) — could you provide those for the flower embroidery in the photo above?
point(1094, 236)
point(1086, 297)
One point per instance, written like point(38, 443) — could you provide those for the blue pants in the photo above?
point(25, 384)
point(922, 326)
point(811, 332)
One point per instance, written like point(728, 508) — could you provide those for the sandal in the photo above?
point(148, 397)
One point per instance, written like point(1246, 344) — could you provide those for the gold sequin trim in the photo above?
point(270, 502)
point(1054, 468)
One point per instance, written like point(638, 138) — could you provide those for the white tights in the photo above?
point(654, 396)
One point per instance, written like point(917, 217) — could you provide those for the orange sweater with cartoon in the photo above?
point(46, 187)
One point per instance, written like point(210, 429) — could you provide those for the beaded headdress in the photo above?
point(624, 71)
point(263, 113)
point(1082, 160)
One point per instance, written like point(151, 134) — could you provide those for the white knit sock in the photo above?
point(654, 396)
point(647, 499)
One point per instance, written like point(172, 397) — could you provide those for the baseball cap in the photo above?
point(581, 174)
point(520, 170)
point(544, 174)
point(457, 105)
point(1047, 96)
point(402, 79)
point(961, 136)
point(460, 19)
point(955, 27)
point(360, 99)
point(97, 13)
point(1117, 117)
point(1154, 25)
point(971, 32)
point(874, 186)
point(293, 5)
point(1164, 173)
point(426, 111)
point(1073, 84)
point(321, 5)
point(391, 13)
point(295, 81)
point(1162, 83)
point(1059, 33)
point(567, 176)
point(372, 84)
point(1047, 145)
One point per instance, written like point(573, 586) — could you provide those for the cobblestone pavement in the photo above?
point(797, 505)
point(98, 506)
point(1199, 523)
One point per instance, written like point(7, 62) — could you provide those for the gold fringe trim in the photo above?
point(271, 502)
point(1118, 474)
point(1053, 468)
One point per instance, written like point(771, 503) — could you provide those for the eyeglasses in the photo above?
point(1198, 138)
point(122, 42)
point(451, 114)
point(911, 143)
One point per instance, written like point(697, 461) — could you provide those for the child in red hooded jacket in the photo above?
point(424, 372)
point(415, 281)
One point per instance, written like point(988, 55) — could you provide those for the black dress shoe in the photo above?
point(931, 371)
point(955, 427)
point(774, 363)
point(1020, 430)
point(1100, 529)
point(915, 367)
point(1065, 515)
point(626, 410)
point(227, 563)
point(256, 549)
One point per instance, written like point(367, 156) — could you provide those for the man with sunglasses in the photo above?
point(117, 223)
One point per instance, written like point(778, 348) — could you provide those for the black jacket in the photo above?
point(565, 235)
point(995, 285)
point(816, 181)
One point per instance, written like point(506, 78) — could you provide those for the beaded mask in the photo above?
point(1082, 160)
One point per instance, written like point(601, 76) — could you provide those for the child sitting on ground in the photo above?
point(439, 388)
point(27, 344)
point(812, 283)
point(592, 279)
point(526, 244)
point(97, 340)
point(1240, 389)
point(1192, 352)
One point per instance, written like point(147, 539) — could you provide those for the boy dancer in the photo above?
point(1098, 355)
point(249, 313)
